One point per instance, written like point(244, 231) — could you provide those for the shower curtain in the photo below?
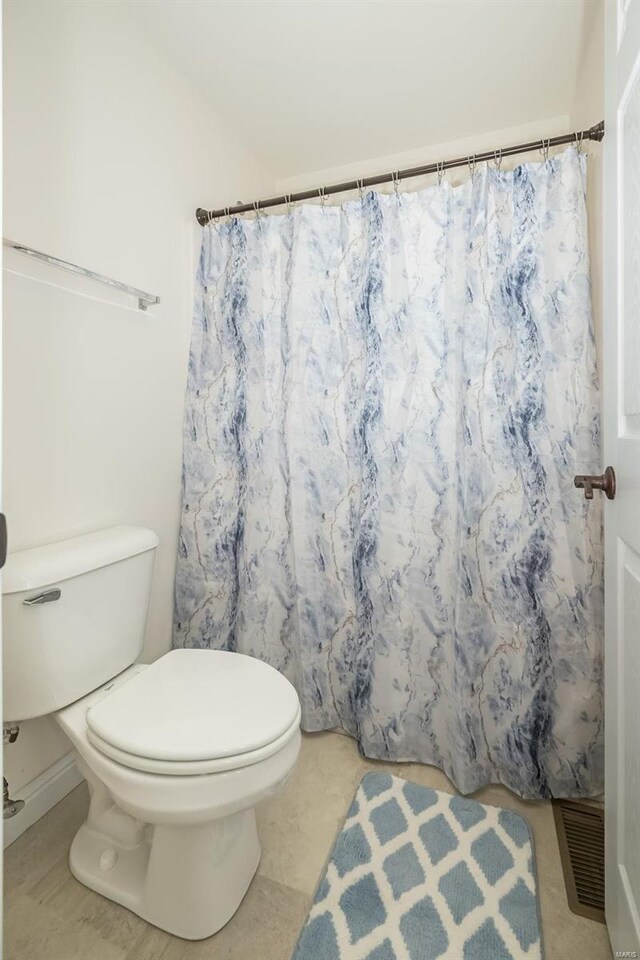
point(387, 402)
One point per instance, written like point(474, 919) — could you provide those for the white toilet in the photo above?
point(177, 754)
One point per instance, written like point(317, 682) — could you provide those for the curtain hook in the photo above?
point(396, 182)
point(578, 137)
point(440, 171)
point(256, 207)
point(289, 203)
point(323, 197)
point(361, 188)
point(472, 166)
point(544, 148)
point(497, 159)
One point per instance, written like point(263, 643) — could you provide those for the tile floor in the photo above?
point(50, 916)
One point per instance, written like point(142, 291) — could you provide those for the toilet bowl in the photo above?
point(176, 753)
point(171, 831)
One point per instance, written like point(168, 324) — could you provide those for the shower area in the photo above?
point(389, 396)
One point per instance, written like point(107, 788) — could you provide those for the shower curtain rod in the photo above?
point(593, 133)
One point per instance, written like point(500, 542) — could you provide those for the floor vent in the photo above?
point(580, 829)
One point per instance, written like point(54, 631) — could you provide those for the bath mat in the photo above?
point(416, 874)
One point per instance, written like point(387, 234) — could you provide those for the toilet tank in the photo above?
point(74, 615)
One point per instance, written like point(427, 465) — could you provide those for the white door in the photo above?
point(622, 449)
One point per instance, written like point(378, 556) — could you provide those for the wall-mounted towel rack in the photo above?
point(144, 299)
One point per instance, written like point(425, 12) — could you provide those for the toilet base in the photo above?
point(188, 880)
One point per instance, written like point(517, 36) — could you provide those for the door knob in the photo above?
point(589, 482)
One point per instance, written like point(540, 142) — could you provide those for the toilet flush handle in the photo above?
point(47, 597)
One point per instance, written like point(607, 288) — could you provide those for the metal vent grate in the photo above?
point(580, 829)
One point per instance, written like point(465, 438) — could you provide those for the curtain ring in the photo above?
point(578, 137)
point(323, 197)
point(440, 171)
point(396, 182)
point(361, 188)
point(497, 159)
point(256, 207)
point(472, 166)
point(544, 148)
point(290, 205)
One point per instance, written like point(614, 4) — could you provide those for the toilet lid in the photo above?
point(197, 705)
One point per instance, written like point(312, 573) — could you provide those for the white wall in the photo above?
point(370, 166)
point(317, 87)
point(108, 150)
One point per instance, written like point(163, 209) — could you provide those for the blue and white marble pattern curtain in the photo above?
point(387, 402)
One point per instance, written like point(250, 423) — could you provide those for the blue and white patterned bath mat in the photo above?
point(417, 874)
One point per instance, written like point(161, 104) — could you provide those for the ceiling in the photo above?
point(311, 84)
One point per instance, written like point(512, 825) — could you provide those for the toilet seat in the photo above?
point(193, 768)
point(194, 712)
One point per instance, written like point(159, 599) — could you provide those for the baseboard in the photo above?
point(41, 795)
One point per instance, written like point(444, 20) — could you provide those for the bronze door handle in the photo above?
point(589, 482)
